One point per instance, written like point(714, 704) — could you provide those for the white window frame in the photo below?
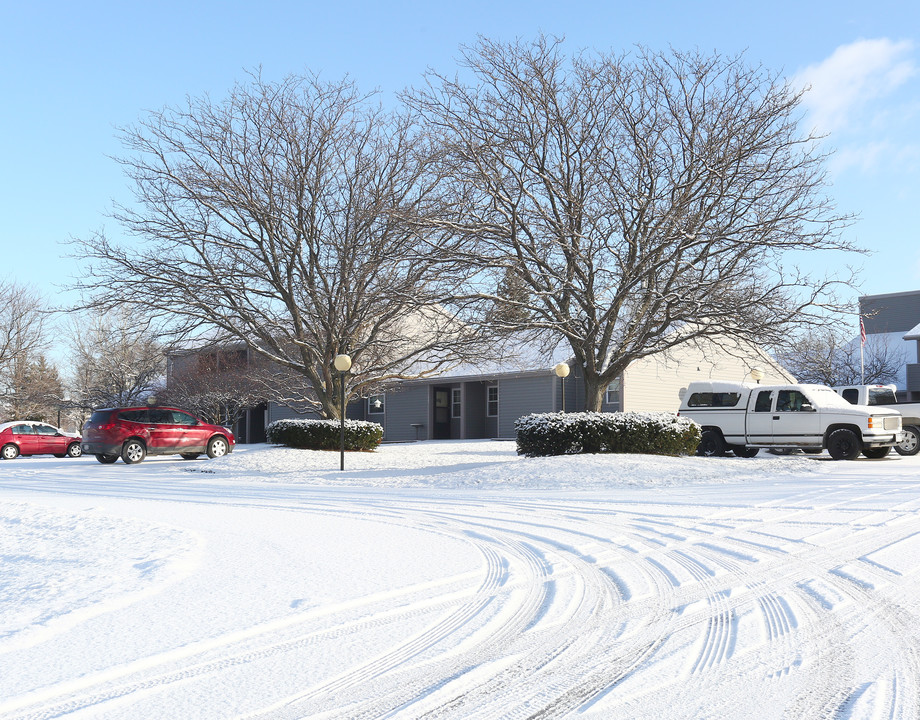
point(372, 410)
point(610, 399)
point(490, 402)
point(456, 402)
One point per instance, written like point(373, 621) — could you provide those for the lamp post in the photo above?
point(562, 371)
point(343, 365)
point(757, 373)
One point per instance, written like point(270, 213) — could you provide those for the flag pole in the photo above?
point(862, 344)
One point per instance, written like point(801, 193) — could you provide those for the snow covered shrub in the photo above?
point(656, 433)
point(324, 434)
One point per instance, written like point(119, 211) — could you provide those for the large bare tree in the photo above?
point(637, 201)
point(268, 218)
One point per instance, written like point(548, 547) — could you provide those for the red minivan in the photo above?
point(134, 433)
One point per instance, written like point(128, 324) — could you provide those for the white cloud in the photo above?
point(846, 84)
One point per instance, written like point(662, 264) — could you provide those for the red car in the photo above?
point(134, 433)
point(28, 437)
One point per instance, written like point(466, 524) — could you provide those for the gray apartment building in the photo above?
point(894, 319)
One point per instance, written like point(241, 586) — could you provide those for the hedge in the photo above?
point(656, 433)
point(324, 434)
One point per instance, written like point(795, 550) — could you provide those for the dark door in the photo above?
point(441, 414)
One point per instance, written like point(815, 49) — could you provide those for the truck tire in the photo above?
point(844, 444)
point(711, 444)
point(876, 453)
point(745, 451)
point(911, 443)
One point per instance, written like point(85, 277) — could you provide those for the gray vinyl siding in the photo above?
point(282, 412)
point(521, 396)
point(893, 312)
point(404, 407)
point(913, 380)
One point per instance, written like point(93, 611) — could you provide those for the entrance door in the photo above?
point(441, 424)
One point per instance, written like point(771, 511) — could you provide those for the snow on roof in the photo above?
point(913, 333)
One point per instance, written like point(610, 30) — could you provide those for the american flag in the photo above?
point(862, 331)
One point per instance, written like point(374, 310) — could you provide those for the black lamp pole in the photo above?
point(343, 365)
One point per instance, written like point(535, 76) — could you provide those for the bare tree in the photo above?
point(643, 201)
point(29, 385)
point(268, 218)
point(117, 358)
point(22, 325)
point(831, 357)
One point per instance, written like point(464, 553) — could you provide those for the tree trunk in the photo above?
point(595, 389)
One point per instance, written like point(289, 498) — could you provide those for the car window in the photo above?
point(182, 418)
point(158, 416)
point(23, 430)
point(99, 416)
point(764, 401)
point(138, 416)
point(46, 430)
point(793, 401)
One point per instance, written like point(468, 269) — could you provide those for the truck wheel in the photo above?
point(711, 444)
point(910, 445)
point(876, 453)
point(745, 451)
point(843, 444)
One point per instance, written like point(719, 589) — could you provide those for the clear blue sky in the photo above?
point(75, 71)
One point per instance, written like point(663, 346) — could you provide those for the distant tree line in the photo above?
point(611, 205)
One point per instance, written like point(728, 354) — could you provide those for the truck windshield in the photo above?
point(882, 396)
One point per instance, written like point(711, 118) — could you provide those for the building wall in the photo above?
point(403, 407)
point(654, 383)
point(282, 412)
point(890, 313)
point(519, 396)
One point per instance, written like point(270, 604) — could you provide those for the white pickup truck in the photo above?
point(743, 418)
point(886, 396)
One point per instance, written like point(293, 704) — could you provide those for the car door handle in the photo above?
point(776, 417)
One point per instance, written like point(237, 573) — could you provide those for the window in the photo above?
point(492, 401)
point(881, 396)
point(714, 399)
point(159, 416)
point(793, 401)
point(612, 396)
point(376, 405)
point(851, 395)
point(23, 430)
point(138, 416)
point(45, 430)
point(181, 418)
point(455, 402)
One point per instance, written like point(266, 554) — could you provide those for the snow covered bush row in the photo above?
point(657, 433)
point(324, 434)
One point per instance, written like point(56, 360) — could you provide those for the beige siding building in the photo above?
point(654, 383)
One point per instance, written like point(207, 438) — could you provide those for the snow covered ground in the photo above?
point(457, 580)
